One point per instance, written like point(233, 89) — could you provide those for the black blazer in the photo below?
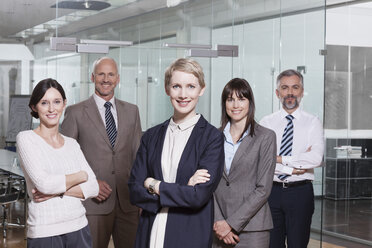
point(190, 216)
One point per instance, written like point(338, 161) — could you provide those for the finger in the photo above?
point(228, 240)
point(103, 195)
point(99, 198)
point(204, 174)
point(106, 186)
point(236, 238)
point(201, 180)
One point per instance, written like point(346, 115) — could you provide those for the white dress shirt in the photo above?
point(175, 141)
point(308, 143)
point(102, 109)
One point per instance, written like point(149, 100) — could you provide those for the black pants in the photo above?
point(77, 239)
point(292, 209)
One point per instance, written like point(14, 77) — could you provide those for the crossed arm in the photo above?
point(81, 184)
point(176, 194)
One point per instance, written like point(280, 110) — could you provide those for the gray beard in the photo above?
point(291, 106)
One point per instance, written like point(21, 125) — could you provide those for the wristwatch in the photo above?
point(151, 188)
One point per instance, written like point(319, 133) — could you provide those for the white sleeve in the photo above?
point(89, 188)
point(31, 157)
point(312, 158)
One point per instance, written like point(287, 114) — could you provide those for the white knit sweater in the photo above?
point(45, 168)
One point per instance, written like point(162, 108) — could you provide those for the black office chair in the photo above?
point(12, 189)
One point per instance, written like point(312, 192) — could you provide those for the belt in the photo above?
point(291, 184)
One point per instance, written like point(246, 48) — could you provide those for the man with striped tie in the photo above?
point(300, 147)
point(108, 131)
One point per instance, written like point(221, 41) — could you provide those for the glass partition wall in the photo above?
point(271, 36)
point(347, 205)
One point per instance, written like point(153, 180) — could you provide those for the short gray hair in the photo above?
point(289, 73)
point(96, 62)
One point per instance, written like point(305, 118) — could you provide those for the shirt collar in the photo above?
point(101, 102)
point(184, 125)
point(228, 138)
point(296, 114)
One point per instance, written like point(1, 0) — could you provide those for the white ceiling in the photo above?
point(19, 15)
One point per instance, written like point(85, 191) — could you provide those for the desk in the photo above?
point(6, 162)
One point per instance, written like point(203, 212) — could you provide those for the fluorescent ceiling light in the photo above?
point(91, 48)
point(175, 45)
point(112, 43)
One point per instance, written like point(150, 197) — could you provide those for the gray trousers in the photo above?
point(247, 240)
point(77, 239)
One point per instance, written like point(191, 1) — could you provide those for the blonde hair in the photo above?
point(185, 65)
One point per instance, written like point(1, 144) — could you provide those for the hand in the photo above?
point(279, 159)
point(147, 182)
point(298, 171)
point(83, 175)
point(40, 197)
point(308, 149)
point(231, 239)
point(221, 228)
point(200, 176)
point(104, 190)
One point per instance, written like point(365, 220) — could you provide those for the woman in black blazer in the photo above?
point(178, 166)
point(242, 214)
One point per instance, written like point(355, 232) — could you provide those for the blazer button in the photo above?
point(227, 184)
point(113, 153)
point(112, 172)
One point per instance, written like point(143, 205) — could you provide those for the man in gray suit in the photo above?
point(108, 131)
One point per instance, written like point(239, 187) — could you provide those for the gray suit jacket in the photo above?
point(83, 122)
point(241, 196)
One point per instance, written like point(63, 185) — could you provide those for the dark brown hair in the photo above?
point(39, 92)
point(241, 88)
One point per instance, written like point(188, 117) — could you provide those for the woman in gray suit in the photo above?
point(242, 214)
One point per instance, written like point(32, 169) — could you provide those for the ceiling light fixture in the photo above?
point(176, 45)
point(85, 46)
point(87, 4)
point(111, 43)
point(82, 5)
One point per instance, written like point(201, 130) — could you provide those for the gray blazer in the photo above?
point(241, 197)
point(83, 122)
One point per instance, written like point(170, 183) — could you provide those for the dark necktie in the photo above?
point(110, 124)
point(287, 141)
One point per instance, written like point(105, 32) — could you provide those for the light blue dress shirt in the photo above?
point(230, 147)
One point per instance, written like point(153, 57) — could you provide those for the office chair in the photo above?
point(13, 189)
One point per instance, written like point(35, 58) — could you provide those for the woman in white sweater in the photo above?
point(57, 175)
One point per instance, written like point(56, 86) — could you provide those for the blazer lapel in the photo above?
point(159, 150)
point(93, 114)
point(123, 127)
point(191, 143)
point(224, 174)
point(244, 146)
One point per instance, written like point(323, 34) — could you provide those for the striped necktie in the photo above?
point(110, 124)
point(287, 141)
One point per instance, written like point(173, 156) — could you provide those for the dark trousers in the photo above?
point(291, 210)
point(77, 239)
